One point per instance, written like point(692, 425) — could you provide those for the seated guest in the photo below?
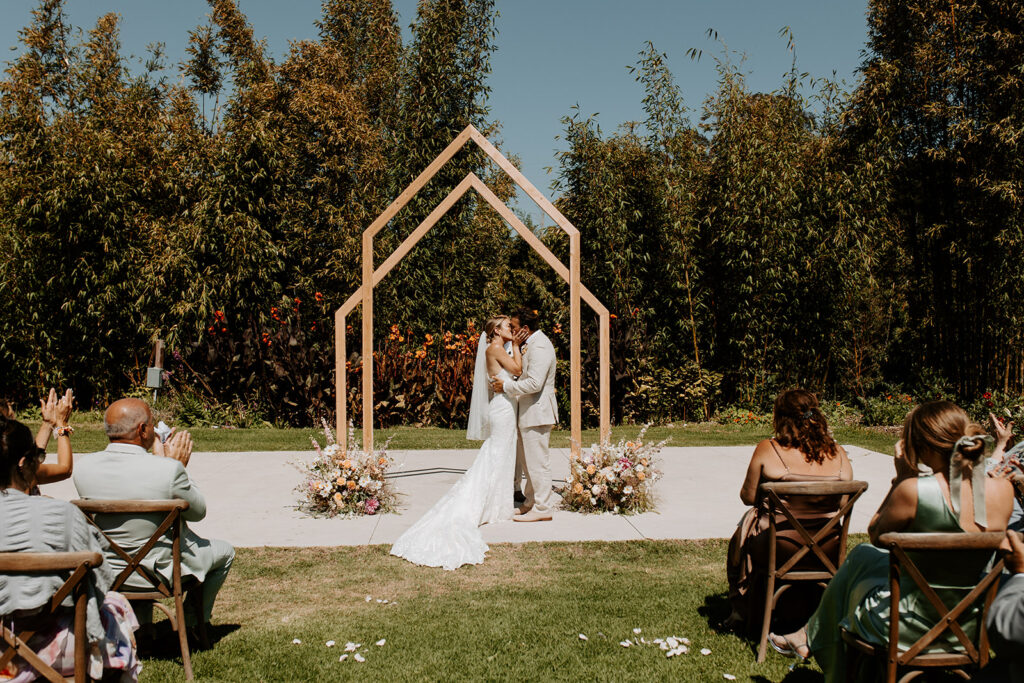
point(41, 524)
point(941, 454)
point(126, 470)
point(802, 450)
point(1006, 620)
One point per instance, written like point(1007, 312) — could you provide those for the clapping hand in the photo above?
point(57, 412)
point(1002, 429)
point(178, 446)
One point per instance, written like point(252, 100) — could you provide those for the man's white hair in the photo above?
point(132, 415)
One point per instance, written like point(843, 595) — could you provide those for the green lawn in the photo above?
point(89, 437)
point(516, 617)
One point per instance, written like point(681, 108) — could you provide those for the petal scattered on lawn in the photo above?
point(583, 637)
point(358, 657)
point(296, 642)
point(368, 598)
point(663, 645)
point(351, 647)
point(681, 650)
point(729, 677)
point(342, 658)
point(636, 630)
point(705, 651)
point(329, 643)
point(625, 643)
point(381, 642)
point(672, 642)
point(684, 641)
point(379, 601)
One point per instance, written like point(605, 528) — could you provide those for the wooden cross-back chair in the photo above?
point(934, 546)
point(156, 589)
point(780, 495)
point(79, 564)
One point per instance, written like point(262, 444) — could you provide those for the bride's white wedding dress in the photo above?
point(448, 535)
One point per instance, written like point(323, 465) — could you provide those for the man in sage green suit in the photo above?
point(127, 470)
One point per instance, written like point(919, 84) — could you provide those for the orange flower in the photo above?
point(346, 464)
point(430, 340)
point(591, 469)
point(350, 484)
point(318, 296)
point(577, 488)
point(382, 462)
point(337, 497)
point(641, 476)
point(421, 353)
point(612, 316)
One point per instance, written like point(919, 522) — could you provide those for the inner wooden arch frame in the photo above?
point(371, 277)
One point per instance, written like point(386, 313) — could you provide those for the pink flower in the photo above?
point(371, 506)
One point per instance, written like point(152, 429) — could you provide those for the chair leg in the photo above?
point(766, 621)
point(182, 628)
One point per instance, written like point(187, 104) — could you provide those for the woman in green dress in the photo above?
point(940, 486)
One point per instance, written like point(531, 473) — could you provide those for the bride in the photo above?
point(448, 535)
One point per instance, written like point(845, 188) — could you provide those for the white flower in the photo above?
point(342, 658)
point(364, 480)
point(593, 501)
point(381, 642)
point(639, 468)
point(331, 450)
point(329, 643)
point(596, 489)
point(705, 651)
point(358, 657)
point(583, 637)
point(627, 490)
point(296, 642)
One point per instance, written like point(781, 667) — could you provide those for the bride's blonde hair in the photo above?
point(492, 324)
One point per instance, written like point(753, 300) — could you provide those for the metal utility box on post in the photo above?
point(155, 372)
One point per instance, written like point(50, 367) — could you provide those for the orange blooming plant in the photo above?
point(613, 478)
point(346, 483)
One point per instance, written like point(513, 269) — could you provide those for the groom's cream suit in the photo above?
point(538, 413)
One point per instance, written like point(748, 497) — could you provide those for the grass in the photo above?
point(89, 437)
point(518, 616)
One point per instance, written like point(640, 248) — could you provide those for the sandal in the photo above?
point(790, 649)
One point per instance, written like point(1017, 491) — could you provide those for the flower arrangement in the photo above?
point(346, 483)
point(613, 478)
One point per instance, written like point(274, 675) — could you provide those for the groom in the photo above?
point(538, 413)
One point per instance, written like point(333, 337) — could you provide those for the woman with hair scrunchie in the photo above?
point(940, 486)
point(40, 524)
point(802, 450)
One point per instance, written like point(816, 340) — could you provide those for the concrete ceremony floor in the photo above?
point(251, 499)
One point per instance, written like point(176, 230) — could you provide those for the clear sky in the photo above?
point(551, 54)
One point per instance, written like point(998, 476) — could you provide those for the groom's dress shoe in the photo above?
point(533, 516)
point(522, 510)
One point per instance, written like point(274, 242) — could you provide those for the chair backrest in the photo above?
point(171, 525)
point(914, 556)
point(781, 495)
point(78, 565)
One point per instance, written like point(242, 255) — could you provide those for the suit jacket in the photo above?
point(125, 471)
point(535, 387)
point(1006, 619)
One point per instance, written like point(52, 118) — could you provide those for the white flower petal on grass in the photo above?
point(672, 642)
point(296, 641)
point(351, 647)
point(329, 643)
point(379, 601)
point(384, 601)
point(358, 657)
point(368, 598)
point(684, 641)
point(583, 637)
point(636, 630)
point(729, 677)
point(705, 651)
point(342, 658)
point(625, 643)
point(381, 642)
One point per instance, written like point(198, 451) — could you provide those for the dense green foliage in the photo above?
point(858, 243)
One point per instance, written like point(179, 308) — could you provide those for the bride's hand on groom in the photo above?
point(520, 336)
point(497, 386)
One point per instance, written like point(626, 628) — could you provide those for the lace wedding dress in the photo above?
point(448, 535)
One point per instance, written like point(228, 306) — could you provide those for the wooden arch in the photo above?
point(371, 277)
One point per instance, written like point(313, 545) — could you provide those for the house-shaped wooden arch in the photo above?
point(371, 276)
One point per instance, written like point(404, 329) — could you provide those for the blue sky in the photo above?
point(551, 54)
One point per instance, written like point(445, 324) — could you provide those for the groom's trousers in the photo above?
point(533, 446)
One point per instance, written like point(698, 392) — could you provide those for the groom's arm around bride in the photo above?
point(538, 413)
